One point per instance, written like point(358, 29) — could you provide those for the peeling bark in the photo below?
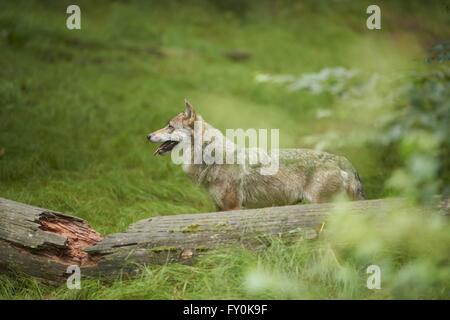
point(78, 234)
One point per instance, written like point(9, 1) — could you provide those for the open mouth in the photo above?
point(165, 147)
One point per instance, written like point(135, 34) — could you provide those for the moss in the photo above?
point(192, 228)
point(221, 226)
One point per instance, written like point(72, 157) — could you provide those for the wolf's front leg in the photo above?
point(226, 195)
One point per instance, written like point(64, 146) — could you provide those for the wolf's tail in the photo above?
point(357, 188)
point(353, 185)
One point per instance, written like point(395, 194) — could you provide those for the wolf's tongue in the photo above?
point(164, 147)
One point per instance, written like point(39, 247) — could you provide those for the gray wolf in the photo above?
point(304, 175)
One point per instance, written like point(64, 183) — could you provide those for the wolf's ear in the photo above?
point(189, 112)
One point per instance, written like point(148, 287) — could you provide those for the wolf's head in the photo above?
point(178, 129)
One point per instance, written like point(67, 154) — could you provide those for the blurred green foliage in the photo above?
point(419, 130)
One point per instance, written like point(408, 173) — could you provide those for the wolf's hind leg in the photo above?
point(324, 187)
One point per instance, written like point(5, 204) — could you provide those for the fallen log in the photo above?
point(43, 243)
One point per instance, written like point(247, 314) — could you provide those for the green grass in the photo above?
point(75, 108)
